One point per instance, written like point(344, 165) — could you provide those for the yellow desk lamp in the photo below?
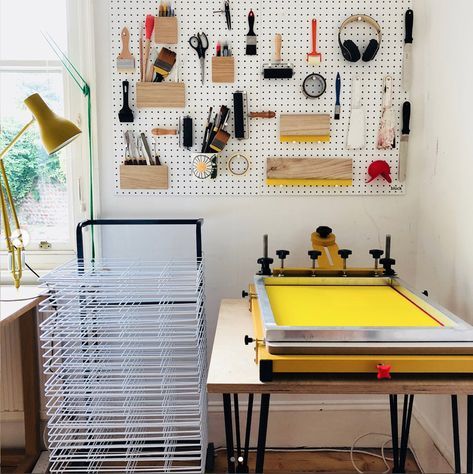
point(55, 132)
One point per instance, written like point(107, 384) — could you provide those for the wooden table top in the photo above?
point(16, 302)
point(233, 369)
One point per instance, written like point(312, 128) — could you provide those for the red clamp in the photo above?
point(384, 372)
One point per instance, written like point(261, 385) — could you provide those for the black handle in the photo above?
point(251, 22)
point(126, 86)
point(409, 26)
point(345, 253)
point(376, 254)
point(406, 118)
point(282, 254)
point(324, 231)
point(314, 254)
point(197, 223)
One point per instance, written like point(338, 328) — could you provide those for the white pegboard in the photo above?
point(282, 96)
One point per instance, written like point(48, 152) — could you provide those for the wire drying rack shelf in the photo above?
point(125, 355)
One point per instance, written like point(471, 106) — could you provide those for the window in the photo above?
point(45, 188)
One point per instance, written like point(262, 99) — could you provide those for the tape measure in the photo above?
point(314, 86)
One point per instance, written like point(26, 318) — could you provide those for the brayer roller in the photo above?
point(241, 115)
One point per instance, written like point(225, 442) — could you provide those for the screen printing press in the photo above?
point(330, 318)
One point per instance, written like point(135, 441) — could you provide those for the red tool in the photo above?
point(384, 372)
point(379, 168)
point(314, 57)
point(148, 68)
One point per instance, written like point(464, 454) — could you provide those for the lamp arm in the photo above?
point(17, 137)
point(15, 252)
point(4, 174)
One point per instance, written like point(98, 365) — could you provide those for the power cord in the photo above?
point(31, 270)
point(350, 451)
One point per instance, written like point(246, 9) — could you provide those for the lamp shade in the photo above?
point(55, 132)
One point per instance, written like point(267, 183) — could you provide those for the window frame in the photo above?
point(81, 48)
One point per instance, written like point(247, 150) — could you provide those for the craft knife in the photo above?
point(148, 155)
point(407, 68)
point(404, 147)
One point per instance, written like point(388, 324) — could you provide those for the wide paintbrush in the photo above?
point(164, 64)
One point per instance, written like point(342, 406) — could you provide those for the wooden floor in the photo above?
point(307, 462)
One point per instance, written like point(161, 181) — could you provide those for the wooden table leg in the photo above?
point(31, 400)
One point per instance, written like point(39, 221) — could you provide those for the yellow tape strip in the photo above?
point(304, 138)
point(309, 182)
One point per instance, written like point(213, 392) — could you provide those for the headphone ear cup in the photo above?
point(371, 51)
point(350, 51)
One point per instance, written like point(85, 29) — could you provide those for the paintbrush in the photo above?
point(142, 68)
point(207, 130)
point(251, 38)
point(149, 27)
point(125, 60)
point(164, 64)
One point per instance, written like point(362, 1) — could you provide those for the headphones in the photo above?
point(350, 50)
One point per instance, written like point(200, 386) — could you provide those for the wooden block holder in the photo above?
point(166, 30)
point(304, 128)
point(223, 69)
point(161, 95)
point(309, 171)
point(144, 177)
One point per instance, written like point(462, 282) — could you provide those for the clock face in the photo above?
point(314, 86)
point(202, 167)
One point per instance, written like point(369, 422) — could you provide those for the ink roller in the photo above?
point(186, 132)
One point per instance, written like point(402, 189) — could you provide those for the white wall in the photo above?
point(445, 154)
point(234, 227)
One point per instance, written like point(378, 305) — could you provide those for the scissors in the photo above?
point(200, 44)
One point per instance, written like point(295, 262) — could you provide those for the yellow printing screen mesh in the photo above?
point(365, 306)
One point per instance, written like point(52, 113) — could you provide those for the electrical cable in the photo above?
point(383, 457)
point(350, 451)
point(31, 270)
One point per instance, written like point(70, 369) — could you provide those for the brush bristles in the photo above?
point(337, 112)
point(314, 60)
point(165, 62)
point(126, 65)
point(149, 26)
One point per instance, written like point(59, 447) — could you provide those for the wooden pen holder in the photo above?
point(166, 30)
point(223, 69)
point(161, 94)
point(144, 177)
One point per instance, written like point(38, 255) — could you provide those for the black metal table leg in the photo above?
point(400, 446)
point(406, 426)
point(239, 457)
point(456, 435)
point(227, 412)
point(394, 431)
point(246, 450)
point(469, 435)
point(263, 429)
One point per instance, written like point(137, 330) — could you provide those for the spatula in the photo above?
point(125, 114)
point(356, 130)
